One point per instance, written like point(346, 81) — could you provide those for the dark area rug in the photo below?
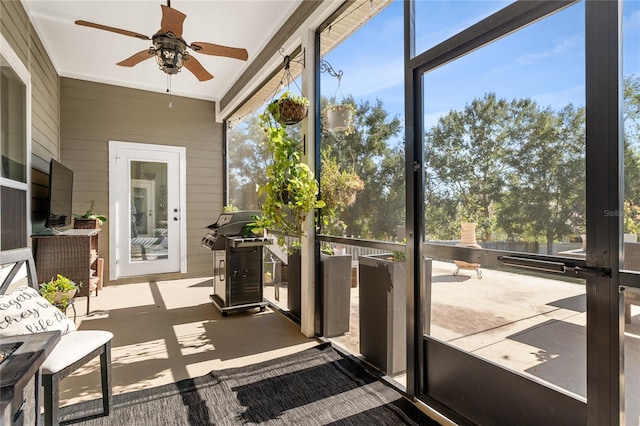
point(315, 387)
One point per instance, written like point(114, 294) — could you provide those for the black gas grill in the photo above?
point(237, 262)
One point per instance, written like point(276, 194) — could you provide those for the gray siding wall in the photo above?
point(92, 114)
point(45, 89)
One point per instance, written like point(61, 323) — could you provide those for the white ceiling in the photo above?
point(91, 54)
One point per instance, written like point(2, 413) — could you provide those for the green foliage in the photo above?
point(631, 110)
point(288, 104)
point(326, 248)
point(290, 191)
point(248, 158)
point(230, 208)
point(339, 190)
point(400, 256)
point(91, 215)
point(632, 140)
point(631, 218)
point(298, 99)
point(56, 290)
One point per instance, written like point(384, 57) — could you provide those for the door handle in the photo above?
point(534, 264)
point(554, 267)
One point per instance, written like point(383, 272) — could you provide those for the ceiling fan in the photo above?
point(170, 49)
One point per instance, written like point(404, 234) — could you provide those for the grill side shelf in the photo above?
point(249, 242)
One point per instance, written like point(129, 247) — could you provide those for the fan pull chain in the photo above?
point(169, 90)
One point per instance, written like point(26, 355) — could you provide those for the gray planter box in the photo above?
point(334, 304)
point(383, 319)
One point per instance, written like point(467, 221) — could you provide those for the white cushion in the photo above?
point(24, 311)
point(72, 347)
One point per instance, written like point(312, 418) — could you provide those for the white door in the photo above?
point(147, 204)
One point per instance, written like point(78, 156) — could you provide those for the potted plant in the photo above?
point(339, 189)
point(289, 109)
point(339, 117)
point(291, 191)
point(59, 291)
point(89, 220)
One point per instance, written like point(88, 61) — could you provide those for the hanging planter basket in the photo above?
point(291, 112)
point(339, 118)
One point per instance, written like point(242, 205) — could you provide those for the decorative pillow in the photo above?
point(24, 311)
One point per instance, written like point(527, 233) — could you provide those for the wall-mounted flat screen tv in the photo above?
point(60, 196)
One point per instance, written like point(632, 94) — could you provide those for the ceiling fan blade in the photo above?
point(172, 20)
point(137, 58)
point(218, 50)
point(193, 65)
point(112, 29)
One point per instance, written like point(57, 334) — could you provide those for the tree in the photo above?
point(546, 188)
point(465, 156)
point(631, 116)
point(248, 158)
point(632, 109)
point(513, 167)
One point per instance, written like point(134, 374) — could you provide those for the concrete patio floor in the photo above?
point(534, 325)
point(167, 331)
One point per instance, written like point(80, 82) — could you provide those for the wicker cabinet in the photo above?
point(72, 253)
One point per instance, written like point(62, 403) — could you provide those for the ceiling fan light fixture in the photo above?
point(170, 53)
point(169, 60)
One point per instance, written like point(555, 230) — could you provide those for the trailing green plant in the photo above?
point(290, 193)
point(91, 215)
point(56, 291)
point(339, 189)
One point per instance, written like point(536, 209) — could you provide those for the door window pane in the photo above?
point(505, 169)
point(149, 216)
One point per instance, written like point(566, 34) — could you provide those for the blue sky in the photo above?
point(544, 61)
